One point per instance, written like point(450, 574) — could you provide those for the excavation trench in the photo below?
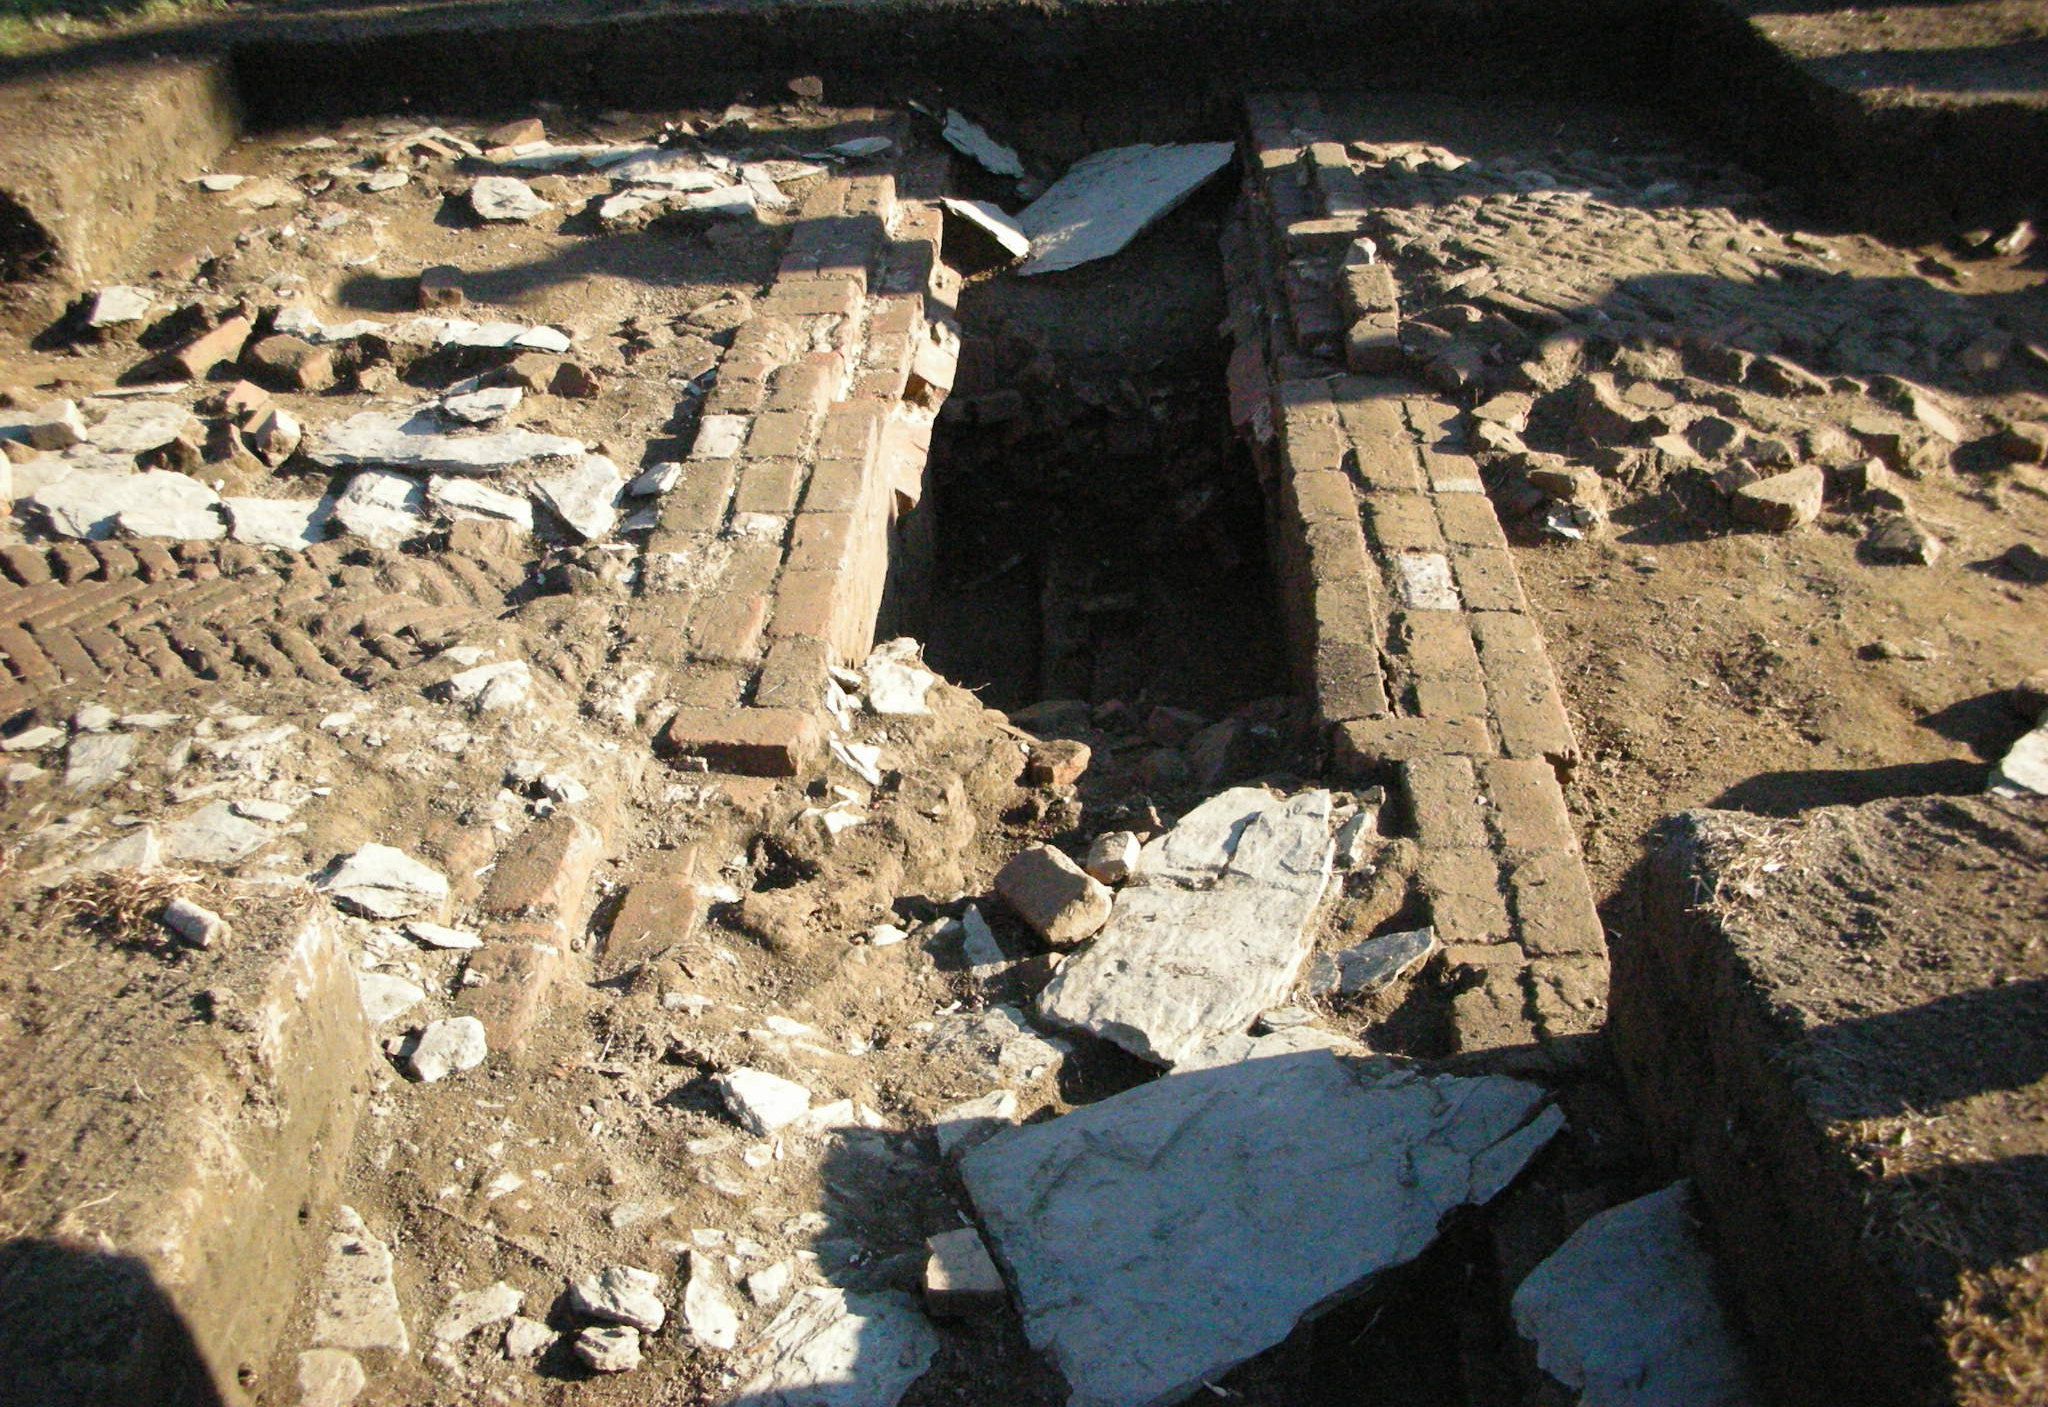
point(1091, 529)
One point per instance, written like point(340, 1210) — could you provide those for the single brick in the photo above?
point(1467, 903)
point(1434, 651)
point(1528, 806)
point(1452, 473)
point(30, 566)
point(1337, 551)
point(1444, 804)
point(726, 628)
point(1348, 682)
point(824, 542)
point(837, 486)
point(1316, 445)
point(779, 434)
point(1485, 955)
point(769, 486)
point(760, 742)
point(852, 432)
point(545, 873)
point(697, 504)
point(794, 674)
point(1364, 748)
point(704, 685)
point(1321, 495)
point(1567, 995)
point(508, 980)
point(1492, 1013)
point(74, 562)
point(809, 297)
point(1522, 689)
point(1402, 522)
point(1552, 904)
point(1468, 518)
point(1368, 410)
point(1487, 579)
point(656, 916)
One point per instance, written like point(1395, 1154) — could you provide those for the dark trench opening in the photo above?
point(1091, 528)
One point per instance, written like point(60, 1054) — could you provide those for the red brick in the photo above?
point(208, 350)
point(74, 562)
point(726, 628)
point(509, 979)
point(823, 543)
point(1434, 651)
point(1320, 495)
point(1348, 682)
point(809, 603)
point(810, 297)
point(656, 916)
point(1444, 804)
point(837, 486)
point(545, 873)
point(1528, 805)
point(698, 503)
point(761, 742)
point(28, 565)
point(794, 674)
point(851, 432)
point(783, 434)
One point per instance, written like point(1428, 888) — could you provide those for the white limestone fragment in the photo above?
point(474, 1309)
point(584, 495)
point(385, 995)
point(827, 1346)
point(382, 507)
point(709, 1320)
point(384, 882)
point(505, 198)
point(621, 1294)
point(992, 221)
point(419, 440)
point(356, 1304)
point(151, 503)
point(292, 524)
point(970, 138)
point(466, 498)
point(760, 1101)
point(1624, 1312)
point(444, 1048)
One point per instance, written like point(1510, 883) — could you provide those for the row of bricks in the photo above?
point(1386, 515)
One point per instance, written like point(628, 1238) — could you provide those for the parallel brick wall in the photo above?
point(769, 562)
point(1406, 614)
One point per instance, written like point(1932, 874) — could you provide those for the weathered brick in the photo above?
point(1467, 903)
point(1369, 408)
point(1337, 552)
point(1434, 649)
point(1451, 472)
point(1321, 495)
point(1444, 804)
point(1401, 522)
point(1388, 466)
point(1492, 1013)
point(27, 565)
point(545, 873)
point(769, 486)
point(779, 434)
point(794, 674)
point(1348, 683)
point(824, 542)
point(895, 313)
point(1468, 518)
point(851, 432)
point(698, 502)
point(656, 916)
point(1314, 445)
point(1528, 805)
point(73, 562)
point(709, 686)
point(810, 297)
point(25, 658)
point(509, 979)
point(761, 742)
point(1487, 579)
point(1319, 232)
point(1484, 955)
point(824, 200)
point(1522, 689)
point(726, 628)
point(1552, 904)
point(837, 486)
point(1567, 995)
point(873, 196)
point(1364, 748)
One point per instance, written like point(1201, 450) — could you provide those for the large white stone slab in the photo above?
point(1624, 1312)
point(420, 441)
point(293, 524)
point(153, 503)
point(381, 506)
point(2024, 769)
point(584, 496)
point(1166, 1234)
point(831, 1349)
point(1211, 929)
point(1107, 200)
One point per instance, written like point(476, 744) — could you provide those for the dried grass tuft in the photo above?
point(1996, 1329)
point(122, 906)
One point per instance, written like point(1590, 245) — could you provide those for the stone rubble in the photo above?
point(621, 1294)
point(614, 1349)
point(385, 882)
point(442, 1048)
point(355, 1305)
point(762, 1102)
point(476, 1309)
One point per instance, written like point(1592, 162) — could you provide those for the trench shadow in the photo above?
point(1786, 794)
point(80, 1327)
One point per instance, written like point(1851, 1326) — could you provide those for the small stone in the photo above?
point(1934, 416)
point(1900, 541)
point(609, 1350)
point(1059, 899)
point(959, 1276)
point(444, 1048)
point(1057, 762)
point(972, 1122)
point(526, 1338)
point(1782, 502)
point(440, 287)
point(810, 88)
point(708, 1318)
point(385, 995)
point(768, 1287)
point(329, 1377)
point(584, 496)
point(896, 684)
point(482, 406)
point(116, 305)
point(1371, 966)
point(33, 739)
point(761, 1102)
point(383, 882)
point(1112, 856)
point(621, 1294)
point(2025, 561)
point(95, 760)
point(292, 362)
point(509, 198)
point(474, 1309)
point(273, 434)
point(436, 935)
point(194, 925)
point(488, 687)
point(517, 133)
point(984, 956)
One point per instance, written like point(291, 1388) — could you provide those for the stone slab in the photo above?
point(1159, 1237)
point(1107, 200)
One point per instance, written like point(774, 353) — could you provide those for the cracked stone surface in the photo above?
point(1211, 930)
point(1165, 1234)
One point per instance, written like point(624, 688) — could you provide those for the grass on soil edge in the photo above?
point(35, 26)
